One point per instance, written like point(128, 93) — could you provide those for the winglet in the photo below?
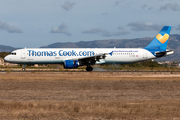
point(111, 53)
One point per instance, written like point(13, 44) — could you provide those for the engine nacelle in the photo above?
point(69, 64)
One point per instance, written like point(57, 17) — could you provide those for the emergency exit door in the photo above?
point(145, 55)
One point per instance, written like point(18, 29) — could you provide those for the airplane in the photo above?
point(72, 58)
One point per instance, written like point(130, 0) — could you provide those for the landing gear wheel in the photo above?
point(89, 68)
point(23, 69)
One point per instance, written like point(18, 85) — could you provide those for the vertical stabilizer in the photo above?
point(159, 43)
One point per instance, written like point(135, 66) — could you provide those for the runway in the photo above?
point(80, 71)
point(96, 69)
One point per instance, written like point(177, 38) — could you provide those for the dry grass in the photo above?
point(89, 96)
point(142, 109)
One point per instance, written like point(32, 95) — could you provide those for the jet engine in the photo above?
point(70, 64)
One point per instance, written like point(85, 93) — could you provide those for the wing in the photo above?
point(91, 60)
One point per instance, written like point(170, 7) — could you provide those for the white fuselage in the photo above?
point(59, 55)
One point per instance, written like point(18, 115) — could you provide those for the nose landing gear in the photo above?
point(24, 67)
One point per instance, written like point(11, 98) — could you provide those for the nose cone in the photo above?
point(7, 58)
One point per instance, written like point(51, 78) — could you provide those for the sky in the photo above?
point(35, 23)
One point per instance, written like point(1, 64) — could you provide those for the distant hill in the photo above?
point(174, 43)
point(111, 43)
point(4, 48)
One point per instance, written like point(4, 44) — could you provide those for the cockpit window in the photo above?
point(13, 53)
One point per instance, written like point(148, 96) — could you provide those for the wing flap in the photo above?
point(91, 60)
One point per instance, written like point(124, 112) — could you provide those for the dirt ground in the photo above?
point(89, 95)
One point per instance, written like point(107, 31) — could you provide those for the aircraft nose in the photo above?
point(7, 58)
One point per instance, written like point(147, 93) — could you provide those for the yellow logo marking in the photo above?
point(163, 38)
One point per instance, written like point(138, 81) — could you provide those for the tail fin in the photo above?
point(159, 43)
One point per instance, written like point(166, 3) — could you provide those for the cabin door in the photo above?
point(23, 54)
point(145, 55)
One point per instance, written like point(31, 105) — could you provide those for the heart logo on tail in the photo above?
point(163, 38)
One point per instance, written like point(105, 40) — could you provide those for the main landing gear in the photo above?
point(89, 68)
